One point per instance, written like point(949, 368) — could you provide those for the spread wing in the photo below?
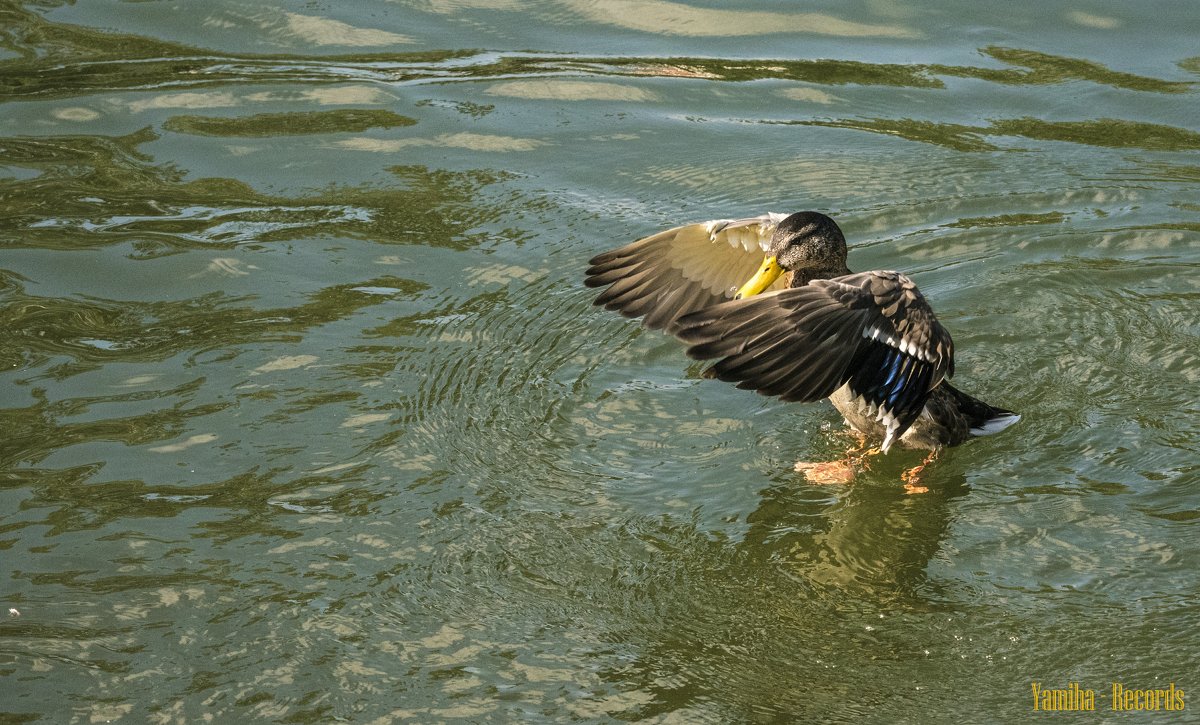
point(873, 331)
point(669, 274)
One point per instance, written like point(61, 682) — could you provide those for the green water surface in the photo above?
point(308, 418)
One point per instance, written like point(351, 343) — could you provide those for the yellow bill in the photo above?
point(764, 278)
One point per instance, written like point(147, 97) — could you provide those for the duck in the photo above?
point(770, 298)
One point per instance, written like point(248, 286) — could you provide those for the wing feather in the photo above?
point(677, 271)
point(873, 331)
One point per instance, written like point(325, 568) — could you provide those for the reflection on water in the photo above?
point(310, 418)
point(670, 18)
point(280, 124)
point(1107, 132)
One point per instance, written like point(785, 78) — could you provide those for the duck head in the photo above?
point(808, 245)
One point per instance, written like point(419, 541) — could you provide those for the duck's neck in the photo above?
point(801, 277)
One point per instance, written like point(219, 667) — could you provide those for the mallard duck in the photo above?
point(801, 325)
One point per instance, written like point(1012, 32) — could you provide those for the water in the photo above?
point(309, 417)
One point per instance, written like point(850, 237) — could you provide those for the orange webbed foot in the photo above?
point(827, 472)
point(912, 477)
point(845, 470)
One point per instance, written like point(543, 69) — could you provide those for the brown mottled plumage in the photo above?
point(869, 341)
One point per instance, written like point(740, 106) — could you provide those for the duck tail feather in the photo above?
point(983, 419)
point(995, 424)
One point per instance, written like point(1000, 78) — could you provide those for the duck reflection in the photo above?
point(868, 540)
point(825, 597)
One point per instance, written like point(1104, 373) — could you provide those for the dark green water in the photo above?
point(308, 417)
